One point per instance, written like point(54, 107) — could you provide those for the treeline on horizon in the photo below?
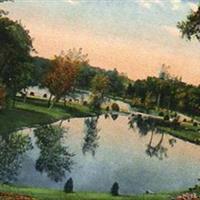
point(164, 91)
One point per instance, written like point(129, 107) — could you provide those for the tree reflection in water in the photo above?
point(91, 139)
point(55, 158)
point(13, 146)
point(147, 125)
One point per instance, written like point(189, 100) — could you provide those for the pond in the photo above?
point(108, 149)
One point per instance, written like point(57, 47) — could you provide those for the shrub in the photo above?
point(166, 117)
point(107, 108)
point(115, 189)
point(184, 120)
point(195, 124)
point(85, 103)
point(161, 114)
point(68, 188)
point(115, 107)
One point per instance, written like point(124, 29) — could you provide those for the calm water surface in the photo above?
point(139, 162)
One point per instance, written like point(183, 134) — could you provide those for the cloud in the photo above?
point(176, 4)
point(72, 2)
point(149, 3)
point(173, 31)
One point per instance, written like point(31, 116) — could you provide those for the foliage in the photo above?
point(190, 27)
point(60, 78)
point(68, 188)
point(54, 159)
point(117, 81)
point(12, 146)
point(115, 189)
point(41, 67)
point(115, 107)
point(15, 60)
point(91, 136)
point(100, 84)
point(169, 93)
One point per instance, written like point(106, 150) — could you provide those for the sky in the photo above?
point(134, 36)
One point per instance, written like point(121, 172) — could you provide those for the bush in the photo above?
point(195, 124)
point(115, 107)
point(161, 114)
point(85, 103)
point(184, 120)
point(115, 189)
point(68, 188)
point(107, 108)
point(166, 117)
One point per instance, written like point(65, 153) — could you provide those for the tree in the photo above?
point(68, 188)
point(55, 158)
point(61, 76)
point(116, 85)
point(15, 59)
point(190, 27)
point(115, 189)
point(99, 85)
point(13, 146)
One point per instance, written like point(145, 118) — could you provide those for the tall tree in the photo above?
point(61, 77)
point(16, 47)
point(100, 87)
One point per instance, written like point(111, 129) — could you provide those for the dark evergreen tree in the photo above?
point(115, 189)
point(68, 188)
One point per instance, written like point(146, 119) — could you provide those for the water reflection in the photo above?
point(157, 150)
point(13, 146)
point(91, 138)
point(148, 125)
point(144, 124)
point(131, 158)
point(55, 158)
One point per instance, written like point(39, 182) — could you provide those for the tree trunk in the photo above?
point(49, 101)
point(158, 100)
point(52, 103)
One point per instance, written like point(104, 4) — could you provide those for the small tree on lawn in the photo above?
point(68, 188)
point(115, 189)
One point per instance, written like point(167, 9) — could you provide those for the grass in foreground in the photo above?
point(35, 112)
point(47, 194)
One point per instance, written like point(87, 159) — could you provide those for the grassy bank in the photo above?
point(47, 194)
point(187, 133)
point(35, 112)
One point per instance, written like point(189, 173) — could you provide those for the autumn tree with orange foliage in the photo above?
point(60, 79)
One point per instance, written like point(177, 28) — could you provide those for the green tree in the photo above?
point(55, 158)
point(99, 85)
point(68, 187)
point(15, 60)
point(190, 26)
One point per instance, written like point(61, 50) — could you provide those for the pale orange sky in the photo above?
point(136, 36)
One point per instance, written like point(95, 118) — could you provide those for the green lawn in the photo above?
point(185, 132)
point(35, 112)
point(47, 194)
